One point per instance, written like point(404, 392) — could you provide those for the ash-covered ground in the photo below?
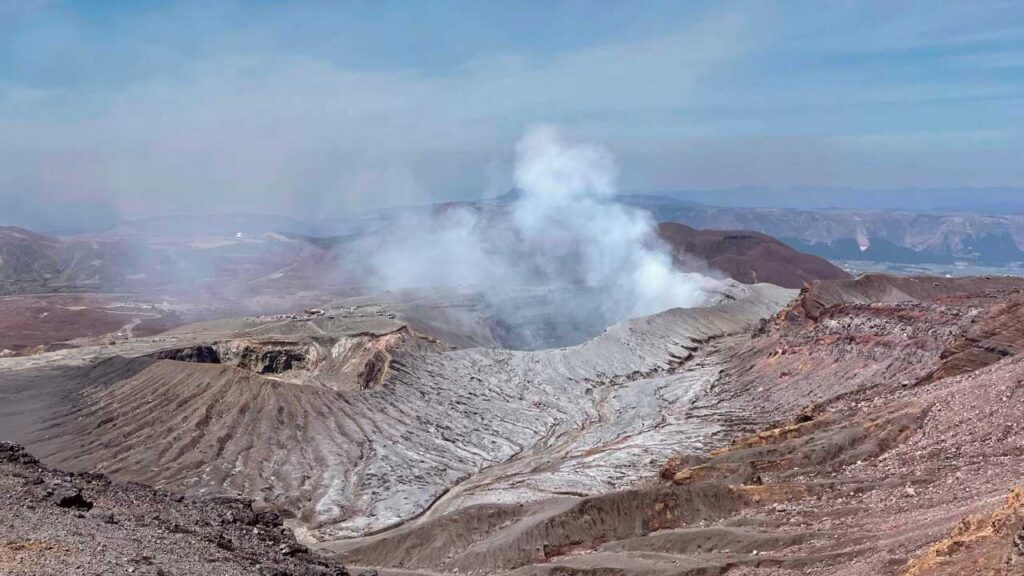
point(863, 426)
point(62, 523)
point(356, 418)
point(550, 384)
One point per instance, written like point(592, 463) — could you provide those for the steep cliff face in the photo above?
point(356, 362)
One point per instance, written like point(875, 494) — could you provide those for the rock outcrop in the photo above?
point(990, 544)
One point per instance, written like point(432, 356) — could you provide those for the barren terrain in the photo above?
point(749, 257)
point(344, 416)
point(880, 461)
point(58, 523)
point(860, 426)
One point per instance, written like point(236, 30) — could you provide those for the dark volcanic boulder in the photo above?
point(67, 495)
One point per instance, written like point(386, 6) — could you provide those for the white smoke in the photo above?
point(568, 206)
point(598, 261)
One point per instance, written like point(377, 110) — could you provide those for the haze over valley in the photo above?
point(533, 289)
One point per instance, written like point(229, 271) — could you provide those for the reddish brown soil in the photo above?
point(32, 323)
point(988, 543)
point(905, 418)
point(746, 256)
point(885, 289)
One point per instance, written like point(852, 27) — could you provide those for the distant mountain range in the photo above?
point(98, 215)
point(975, 200)
point(221, 250)
point(239, 254)
point(135, 261)
point(870, 235)
point(31, 262)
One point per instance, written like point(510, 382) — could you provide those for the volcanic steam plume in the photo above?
point(584, 258)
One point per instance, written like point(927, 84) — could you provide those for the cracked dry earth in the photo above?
point(872, 426)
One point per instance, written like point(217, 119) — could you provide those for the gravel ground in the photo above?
point(65, 524)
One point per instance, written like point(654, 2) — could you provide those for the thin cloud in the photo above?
point(746, 93)
point(230, 128)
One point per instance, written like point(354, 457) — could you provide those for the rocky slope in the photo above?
point(748, 257)
point(58, 523)
point(871, 426)
point(355, 433)
point(861, 458)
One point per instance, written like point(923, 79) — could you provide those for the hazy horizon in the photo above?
point(112, 111)
point(993, 201)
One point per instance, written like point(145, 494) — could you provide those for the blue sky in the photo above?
point(317, 107)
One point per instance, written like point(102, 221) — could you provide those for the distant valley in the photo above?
point(900, 237)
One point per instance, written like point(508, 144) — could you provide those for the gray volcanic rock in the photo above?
point(133, 529)
point(67, 495)
point(352, 461)
point(885, 440)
